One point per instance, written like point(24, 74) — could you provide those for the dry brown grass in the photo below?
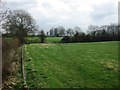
point(10, 62)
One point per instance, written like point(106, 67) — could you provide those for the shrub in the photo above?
point(8, 51)
point(66, 39)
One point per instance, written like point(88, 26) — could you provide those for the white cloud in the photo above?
point(19, 0)
point(70, 13)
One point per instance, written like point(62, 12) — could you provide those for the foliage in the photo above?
point(10, 63)
point(96, 34)
point(4, 11)
point(42, 37)
point(19, 23)
point(66, 39)
point(57, 32)
point(8, 49)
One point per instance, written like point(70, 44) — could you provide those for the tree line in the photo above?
point(60, 31)
point(95, 34)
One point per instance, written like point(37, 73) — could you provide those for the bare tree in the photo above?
point(92, 29)
point(70, 32)
point(61, 30)
point(20, 23)
point(4, 11)
point(52, 32)
point(78, 29)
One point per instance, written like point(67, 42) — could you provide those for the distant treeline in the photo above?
point(9, 35)
point(95, 34)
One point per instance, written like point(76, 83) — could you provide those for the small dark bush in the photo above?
point(66, 39)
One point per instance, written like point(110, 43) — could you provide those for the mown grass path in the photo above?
point(72, 65)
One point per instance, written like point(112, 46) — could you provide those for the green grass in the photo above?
point(47, 40)
point(53, 39)
point(83, 65)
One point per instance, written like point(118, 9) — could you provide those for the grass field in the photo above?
point(29, 40)
point(47, 39)
point(84, 65)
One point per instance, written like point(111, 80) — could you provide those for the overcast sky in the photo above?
point(69, 13)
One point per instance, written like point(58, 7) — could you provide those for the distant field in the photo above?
point(29, 40)
point(72, 65)
point(47, 39)
point(53, 39)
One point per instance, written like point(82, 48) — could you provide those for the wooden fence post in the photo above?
point(23, 69)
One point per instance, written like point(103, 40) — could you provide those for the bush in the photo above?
point(8, 47)
point(66, 39)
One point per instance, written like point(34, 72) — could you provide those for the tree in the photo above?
point(66, 39)
point(78, 29)
point(56, 32)
point(70, 32)
point(20, 23)
point(4, 11)
point(61, 30)
point(47, 33)
point(42, 36)
point(52, 32)
point(92, 29)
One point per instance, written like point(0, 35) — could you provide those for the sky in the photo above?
point(69, 13)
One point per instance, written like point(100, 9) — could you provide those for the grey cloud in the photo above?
point(119, 12)
point(100, 12)
point(77, 18)
point(20, 5)
point(46, 5)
